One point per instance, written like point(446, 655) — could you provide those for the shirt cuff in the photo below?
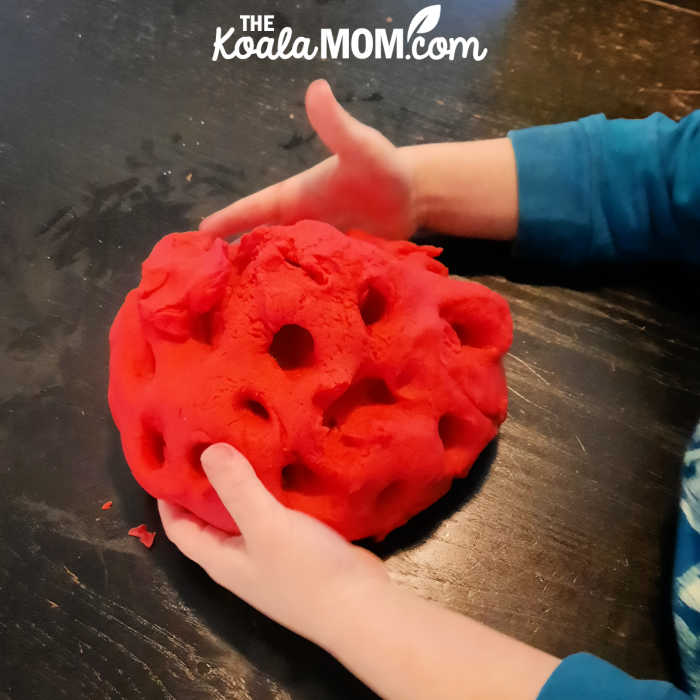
point(584, 677)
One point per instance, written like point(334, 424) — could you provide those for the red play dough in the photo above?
point(145, 536)
point(356, 376)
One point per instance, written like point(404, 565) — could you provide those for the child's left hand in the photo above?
point(367, 183)
point(288, 565)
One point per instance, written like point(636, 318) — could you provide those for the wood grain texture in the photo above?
point(117, 128)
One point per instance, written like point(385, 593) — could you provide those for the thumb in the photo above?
point(238, 486)
point(340, 131)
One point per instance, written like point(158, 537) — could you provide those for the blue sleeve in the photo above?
point(587, 677)
point(598, 190)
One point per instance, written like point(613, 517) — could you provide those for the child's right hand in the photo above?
point(301, 573)
point(290, 566)
point(366, 184)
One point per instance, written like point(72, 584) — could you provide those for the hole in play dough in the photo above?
point(293, 263)
point(370, 391)
point(143, 359)
point(292, 347)
point(388, 495)
point(203, 328)
point(462, 333)
point(453, 431)
point(372, 305)
point(195, 455)
point(315, 273)
point(298, 478)
point(472, 330)
point(148, 367)
point(153, 448)
point(256, 408)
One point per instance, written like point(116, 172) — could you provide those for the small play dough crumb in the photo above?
point(143, 534)
point(357, 377)
point(106, 505)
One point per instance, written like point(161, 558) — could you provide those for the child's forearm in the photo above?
point(465, 189)
point(405, 647)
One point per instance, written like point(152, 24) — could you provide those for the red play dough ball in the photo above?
point(354, 374)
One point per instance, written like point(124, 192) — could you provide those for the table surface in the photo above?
point(562, 536)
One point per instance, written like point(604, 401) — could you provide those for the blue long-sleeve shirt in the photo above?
point(599, 190)
point(618, 190)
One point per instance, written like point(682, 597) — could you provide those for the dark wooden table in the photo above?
point(115, 128)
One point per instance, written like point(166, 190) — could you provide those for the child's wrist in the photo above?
point(349, 607)
point(465, 189)
point(411, 160)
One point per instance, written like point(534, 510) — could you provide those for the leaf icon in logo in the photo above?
point(425, 20)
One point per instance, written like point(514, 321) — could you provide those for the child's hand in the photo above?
point(367, 184)
point(286, 564)
point(305, 576)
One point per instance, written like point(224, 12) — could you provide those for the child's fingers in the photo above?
point(268, 206)
point(250, 504)
point(222, 556)
point(339, 130)
point(284, 203)
point(197, 540)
